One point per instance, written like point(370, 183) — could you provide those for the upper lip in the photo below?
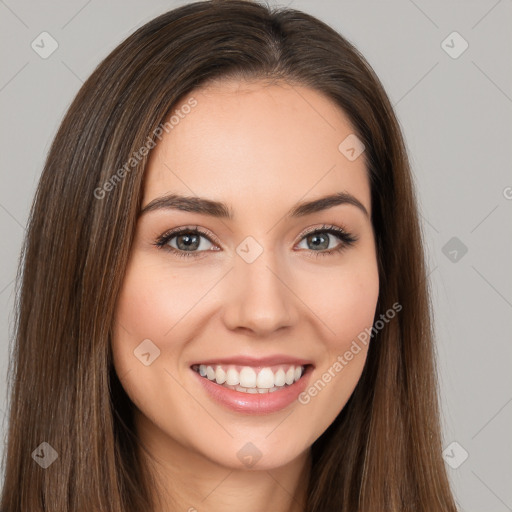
point(256, 361)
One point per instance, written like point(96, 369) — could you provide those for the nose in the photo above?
point(259, 296)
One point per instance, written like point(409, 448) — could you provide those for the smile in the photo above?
point(247, 379)
point(255, 387)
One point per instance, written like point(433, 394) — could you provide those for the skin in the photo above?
point(261, 148)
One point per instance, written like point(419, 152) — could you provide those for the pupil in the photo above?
point(189, 241)
point(317, 237)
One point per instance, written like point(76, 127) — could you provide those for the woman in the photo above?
point(222, 298)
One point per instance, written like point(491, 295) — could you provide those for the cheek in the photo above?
point(154, 299)
point(150, 307)
point(144, 311)
point(344, 301)
point(157, 303)
point(346, 307)
point(353, 306)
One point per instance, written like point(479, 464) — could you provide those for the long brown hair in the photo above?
point(383, 451)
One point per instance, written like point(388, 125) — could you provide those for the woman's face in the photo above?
point(259, 300)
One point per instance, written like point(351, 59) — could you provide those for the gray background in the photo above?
point(456, 117)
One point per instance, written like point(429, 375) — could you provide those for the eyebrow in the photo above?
point(223, 211)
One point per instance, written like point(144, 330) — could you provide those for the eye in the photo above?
point(320, 238)
point(184, 242)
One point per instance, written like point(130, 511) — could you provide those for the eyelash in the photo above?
point(346, 238)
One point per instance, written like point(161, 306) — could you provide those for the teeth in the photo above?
point(280, 377)
point(265, 379)
point(220, 375)
point(290, 375)
point(247, 377)
point(247, 380)
point(232, 377)
point(252, 390)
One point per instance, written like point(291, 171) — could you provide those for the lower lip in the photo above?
point(255, 403)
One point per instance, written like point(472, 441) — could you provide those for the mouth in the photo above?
point(254, 387)
point(250, 379)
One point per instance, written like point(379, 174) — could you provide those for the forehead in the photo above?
point(256, 146)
